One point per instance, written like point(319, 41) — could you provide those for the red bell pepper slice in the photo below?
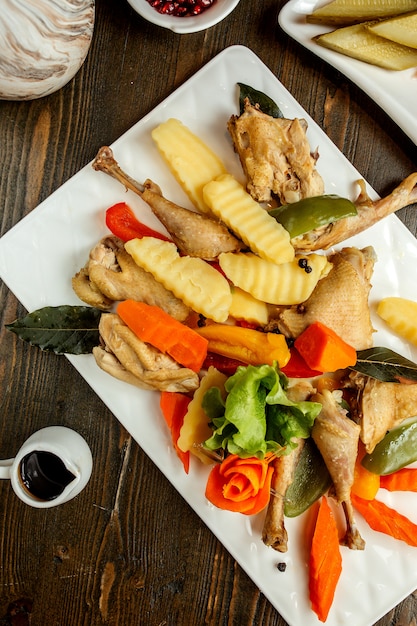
point(217, 267)
point(122, 222)
point(224, 364)
point(246, 324)
point(297, 367)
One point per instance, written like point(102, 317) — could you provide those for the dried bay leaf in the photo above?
point(62, 329)
point(385, 365)
point(255, 97)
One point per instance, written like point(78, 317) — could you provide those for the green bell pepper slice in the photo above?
point(311, 480)
point(308, 214)
point(396, 450)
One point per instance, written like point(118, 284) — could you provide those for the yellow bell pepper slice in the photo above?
point(250, 346)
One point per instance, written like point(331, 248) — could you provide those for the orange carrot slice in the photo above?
point(383, 519)
point(403, 480)
point(174, 406)
point(325, 564)
point(323, 350)
point(152, 325)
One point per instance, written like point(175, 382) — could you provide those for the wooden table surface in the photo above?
point(128, 550)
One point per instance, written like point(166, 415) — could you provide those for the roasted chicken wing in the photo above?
point(380, 406)
point(126, 357)
point(111, 275)
point(274, 533)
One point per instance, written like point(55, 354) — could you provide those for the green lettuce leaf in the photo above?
point(288, 420)
point(257, 416)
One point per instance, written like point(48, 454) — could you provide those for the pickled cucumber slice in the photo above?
point(196, 425)
point(343, 12)
point(396, 450)
point(360, 43)
point(402, 29)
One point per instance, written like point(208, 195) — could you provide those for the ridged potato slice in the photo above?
point(285, 284)
point(194, 281)
point(360, 43)
point(401, 315)
point(191, 161)
point(401, 29)
point(236, 208)
point(343, 12)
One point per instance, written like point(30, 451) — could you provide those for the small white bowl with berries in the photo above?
point(184, 16)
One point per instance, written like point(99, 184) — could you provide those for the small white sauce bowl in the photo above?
point(182, 25)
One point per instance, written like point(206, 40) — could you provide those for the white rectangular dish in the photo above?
point(41, 253)
point(395, 92)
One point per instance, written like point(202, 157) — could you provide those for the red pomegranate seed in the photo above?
point(181, 8)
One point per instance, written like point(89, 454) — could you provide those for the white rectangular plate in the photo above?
point(41, 253)
point(395, 92)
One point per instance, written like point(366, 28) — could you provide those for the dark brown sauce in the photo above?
point(44, 475)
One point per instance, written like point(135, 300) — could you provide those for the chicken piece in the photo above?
point(275, 156)
point(128, 358)
point(369, 212)
point(111, 275)
point(194, 234)
point(88, 292)
point(299, 390)
point(337, 437)
point(274, 533)
point(339, 301)
point(380, 406)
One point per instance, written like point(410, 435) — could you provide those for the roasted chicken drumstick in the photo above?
point(194, 234)
point(337, 437)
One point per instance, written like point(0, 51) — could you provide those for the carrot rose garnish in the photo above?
point(240, 485)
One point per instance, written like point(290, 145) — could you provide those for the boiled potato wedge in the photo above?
point(283, 284)
point(401, 29)
point(196, 425)
point(360, 43)
point(190, 160)
point(234, 206)
point(192, 280)
point(245, 307)
point(401, 315)
point(344, 12)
